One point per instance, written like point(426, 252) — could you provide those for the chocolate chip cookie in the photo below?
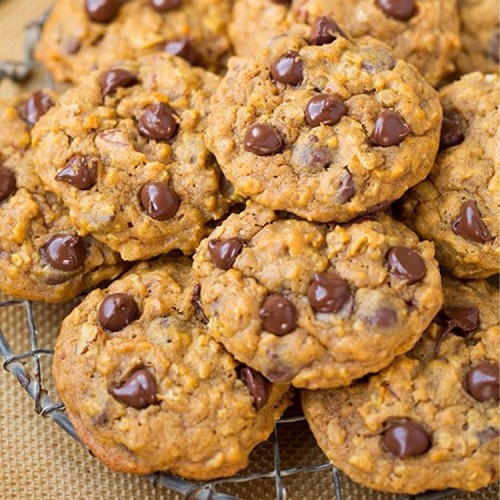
point(325, 129)
point(125, 150)
point(42, 257)
point(82, 35)
point(424, 32)
point(429, 421)
point(147, 389)
point(315, 304)
point(457, 207)
point(480, 35)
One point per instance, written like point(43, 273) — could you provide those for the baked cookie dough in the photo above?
point(326, 129)
point(125, 150)
point(480, 21)
point(458, 205)
point(429, 421)
point(82, 35)
point(42, 257)
point(147, 389)
point(313, 304)
point(422, 32)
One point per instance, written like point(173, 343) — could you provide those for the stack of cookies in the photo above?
point(306, 214)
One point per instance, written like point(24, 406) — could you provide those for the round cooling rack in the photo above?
point(290, 458)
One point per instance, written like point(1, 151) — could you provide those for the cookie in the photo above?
point(326, 130)
point(424, 33)
point(125, 151)
point(479, 34)
point(42, 257)
point(147, 389)
point(313, 304)
point(430, 421)
point(457, 206)
point(82, 35)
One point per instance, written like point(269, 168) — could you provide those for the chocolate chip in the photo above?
point(452, 132)
point(110, 80)
point(65, 252)
point(406, 439)
point(346, 188)
point(183, 47)
point(406, 263)
point(402, 10)
point(196, 301)
point(224, 252)
point(324, 30)
point(493, 47)
point(328, 292)
point(390, 129)
point(281, 2)
point(464, 319)
point(488, 434)
point(470, 225)
point(158, 122)
point(7, 183)
point(324, 108)
point(159, 201)
point(79, 172)
point(72, 46)
point(102, 11)
point(117, 311)
point(35, 107)
point(483, 383)
point(257, 386)
point(164, 5)
point(288, 68)
point(139, 391)
point(263, 140)
point(278, 314)
point(384, 318)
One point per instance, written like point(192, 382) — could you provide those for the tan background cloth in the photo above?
point(39, 460)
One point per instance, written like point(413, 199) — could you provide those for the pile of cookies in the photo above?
point(302, 214)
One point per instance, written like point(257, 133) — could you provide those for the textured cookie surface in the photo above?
point(317, 305)
point(457, 206)
point(125, 151)
point(41, 255)
point(430, 421)
point(73, 44)
point(424, 32)
point(324, 131)
point(148, 390)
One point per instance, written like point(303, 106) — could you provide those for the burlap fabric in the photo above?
point(39, 460)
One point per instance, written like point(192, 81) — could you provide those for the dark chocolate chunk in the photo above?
point(278, 314)
point(328, 292)
point(406, 439)
point(138, 391)
point(390, 129)
point(452, 132)
point(158, 122)
point(183, 47)
point(110, 80)
point(257, 386)
point(470, 225)
point(224, 252)
point(65, 252)
point(384, 317)
point(288, 69)
point(324, 108)
point(35, 107)
point(402, 10)
point(263, 140)
point(7, 183)
point(483, 382)
point(102, 11)
point(164, 5)
point(406, 263)
point(117, 311)
point(79, 171)
point(346, 190)
point(324, 30)
point(159, 201)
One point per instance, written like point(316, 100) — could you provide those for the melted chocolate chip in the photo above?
point(117, 311)
point(35, 107)
point(390, 129)
point(110, 80)
point(159, 201)
point(345, 192)
point(139, 390)
point(263, 140)
point(183, 47)
point(79, 171)
point(470, 225)
point(196, 301)
point(452, 132)
point(483, 382)
point(288, 69)
point(7, 183)
point(102, 11)
point(461, 318)
point(384, 318)
point(493, 47)
point(324, 30)
point(406, 439)
point(281, 2)
point(328, 292)
point(402, 10)
point(65, 252)
point(164, 5)
point(72, 46)
point(278, 314)
point(257, 386)
point(406, 263)
point(158, 122)
point(224, 252)
point(326, 109)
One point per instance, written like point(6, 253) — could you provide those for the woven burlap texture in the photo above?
point(39, 460)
